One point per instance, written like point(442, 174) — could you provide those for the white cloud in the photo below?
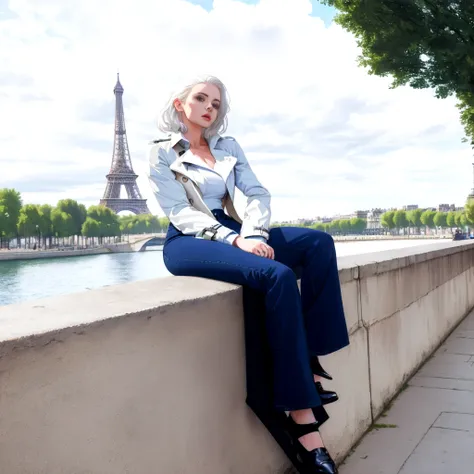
point(323, 135)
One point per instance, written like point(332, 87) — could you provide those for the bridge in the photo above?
point(140, 242)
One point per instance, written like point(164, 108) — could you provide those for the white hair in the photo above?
point(170, 119)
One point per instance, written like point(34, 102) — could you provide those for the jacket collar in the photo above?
point(224, 162)
point(179, 137)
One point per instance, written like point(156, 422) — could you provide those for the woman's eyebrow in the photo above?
point(203, 93)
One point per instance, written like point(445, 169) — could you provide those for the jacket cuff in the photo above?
point(231, 237)
point(219, 233)
point(260, 238)
point(254, 231)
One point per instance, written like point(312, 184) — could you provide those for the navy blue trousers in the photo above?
point(294, 326)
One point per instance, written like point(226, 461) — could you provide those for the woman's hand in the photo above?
point(254, 246)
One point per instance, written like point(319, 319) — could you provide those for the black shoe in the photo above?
point(326, 396)
point(318, 370)
point(317, 461)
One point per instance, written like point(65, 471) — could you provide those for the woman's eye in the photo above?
point(200, 98)
point(216, 106)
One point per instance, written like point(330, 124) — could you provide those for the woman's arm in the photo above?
point(257, 212)
point(172, 199)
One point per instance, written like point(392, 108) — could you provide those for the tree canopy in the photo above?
point(422, 43)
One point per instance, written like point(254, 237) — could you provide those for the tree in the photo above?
point(108, 221)
point(450, 219)
point(386, 219)
point(318, 226)
point(29, 221)
point(76, 211)
point(464, 221)
point(400, 219)
point(334, 226)
point(358, 225)
point(10, 206)
point(63, 223)
point(427, 218)
point(440, 219)
point(422, 43)
point(414, 218)
point(345, 226)
point(90, 228)
point(457, 218)
point(469, 210)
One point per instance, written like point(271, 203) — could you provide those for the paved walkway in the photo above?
point(429, 429)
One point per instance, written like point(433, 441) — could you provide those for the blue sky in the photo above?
point(322, 11)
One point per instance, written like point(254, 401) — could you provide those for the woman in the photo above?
point(194, 173)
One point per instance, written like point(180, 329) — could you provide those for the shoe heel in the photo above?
point(318, 369)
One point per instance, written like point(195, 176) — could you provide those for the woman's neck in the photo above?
point(194, 135)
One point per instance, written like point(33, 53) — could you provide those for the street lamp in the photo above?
point(39, 235)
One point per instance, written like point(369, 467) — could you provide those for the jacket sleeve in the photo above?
point(257, 213)
point(172, 198)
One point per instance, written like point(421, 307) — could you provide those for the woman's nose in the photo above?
point(209, 107)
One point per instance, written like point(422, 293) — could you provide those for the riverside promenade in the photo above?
point(429, 427)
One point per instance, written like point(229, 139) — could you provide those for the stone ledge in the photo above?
point(134, 374)
point(41, 321)
point(387, 260)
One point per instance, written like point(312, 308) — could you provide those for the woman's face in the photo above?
point(201, 105)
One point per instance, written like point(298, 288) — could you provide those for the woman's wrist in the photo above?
point(236, 241)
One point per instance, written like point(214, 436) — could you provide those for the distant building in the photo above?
point(373, 218)
point(361, 214)
point(410, 207)
point(446, 207)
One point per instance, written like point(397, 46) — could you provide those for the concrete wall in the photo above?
point(148, 377)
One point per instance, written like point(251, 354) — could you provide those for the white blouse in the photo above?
point(211, 184)
point(213, 189)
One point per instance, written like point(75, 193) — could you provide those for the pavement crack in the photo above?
point(450, 429)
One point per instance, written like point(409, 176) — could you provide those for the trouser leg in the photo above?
point(313, 253)
point(284, 324)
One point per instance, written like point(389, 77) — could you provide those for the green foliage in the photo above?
point(400, 219)
point(422, 43)
point(457, 218)
point(427, 218)
point(29, 221)
point(469, 211)
point(440, 219)
point(358, 225)
point(69, 218)
point(319, 226)
point(386, 219)
point(46, 225)
point(414, 217)
point(106, 219)
point(91, 228)
point(10, 206)
point(77, 212)
point(62, 223)
point(450, 219)
point(464, 220)
point(345, 226)
point(144, 223)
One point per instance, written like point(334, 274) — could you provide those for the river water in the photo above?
point(24, 280)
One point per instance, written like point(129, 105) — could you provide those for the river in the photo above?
point(25, 280)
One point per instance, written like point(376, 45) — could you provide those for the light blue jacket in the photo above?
point(179, 196)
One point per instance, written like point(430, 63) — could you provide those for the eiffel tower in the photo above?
point(121, 171)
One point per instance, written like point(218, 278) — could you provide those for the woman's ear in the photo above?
point(178, 105)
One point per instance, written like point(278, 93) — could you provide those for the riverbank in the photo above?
point(58, 253)
point(125, 247)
